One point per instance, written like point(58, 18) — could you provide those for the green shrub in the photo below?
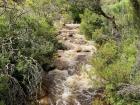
point(109, 62)
point(114, 66)
point(75, 13)
point(91, 23)
point(27, 41)
point(114, 99)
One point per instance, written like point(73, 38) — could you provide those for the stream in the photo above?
point(68, 83)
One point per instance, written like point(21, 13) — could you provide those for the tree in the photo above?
point(96, 7)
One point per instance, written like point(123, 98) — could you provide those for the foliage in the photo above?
point(27, 41)
point(114, 66)
point(109, 63)
point(75, 13)
point(114, 99)
point(114, 63)
point(91, 24)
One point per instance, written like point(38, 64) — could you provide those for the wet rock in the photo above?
point(54, 83)
point(73, 67)
point(69, 45)
point(78, 49)
point(77, 82)
point(41, 93)
point(72, 26)
point(80, 88)
point(87, 48)
point(67, 64)
point(48, 67)
point(61, 64)
point(64, 38)
point(86, 97)
point(80, 41)
point(71, 72)
point(43, 101)
point(81, 57)
point(71, 34)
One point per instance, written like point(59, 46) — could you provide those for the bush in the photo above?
point(114, 66)
point(109, 62)
point(91, 23)
point(27, 41)
point(75, 13)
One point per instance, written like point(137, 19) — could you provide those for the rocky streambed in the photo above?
point(68, 83)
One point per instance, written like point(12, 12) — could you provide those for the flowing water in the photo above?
point(69, 83)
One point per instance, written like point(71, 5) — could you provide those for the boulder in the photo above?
point(86, 97)
point(129, 91)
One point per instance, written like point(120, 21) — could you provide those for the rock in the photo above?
point(61, 64)
point(88, 67)
point(80, 86)
point(48, 67)
point(73, 67)
point(43, 101)
point(53, 83)
point(78, 82)
point(71, 71)
point(86, 97)
point(78, 49)
point(80, 41)
point(41, 93)
point(72, 26)
point(67, 64)
point(71, 34)
point(88, 48)
point(81, 57)
point(64, 38)
point(69, 45)
point(129, 91)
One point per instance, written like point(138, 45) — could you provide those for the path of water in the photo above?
point(69, 84)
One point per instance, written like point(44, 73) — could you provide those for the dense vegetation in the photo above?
point(115, 61)
point(28, 42)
